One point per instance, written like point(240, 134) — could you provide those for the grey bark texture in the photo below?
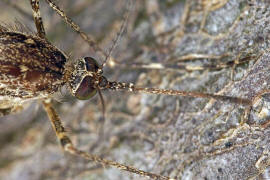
point(181, 137)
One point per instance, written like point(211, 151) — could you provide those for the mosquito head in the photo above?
point(86, 78)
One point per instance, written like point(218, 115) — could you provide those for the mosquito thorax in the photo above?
point(85, 78)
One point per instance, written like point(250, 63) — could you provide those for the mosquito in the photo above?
point(32, 68)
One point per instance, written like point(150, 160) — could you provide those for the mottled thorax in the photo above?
point(30, 67)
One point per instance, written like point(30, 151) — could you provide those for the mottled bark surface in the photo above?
point(182, 137)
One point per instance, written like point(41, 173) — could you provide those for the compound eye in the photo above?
point(91, 64)
point(86, 89)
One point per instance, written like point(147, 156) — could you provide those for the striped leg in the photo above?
point(68, 147)
point(37, 18)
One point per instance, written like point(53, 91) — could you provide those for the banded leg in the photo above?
point(68, 147)
point(37, 18)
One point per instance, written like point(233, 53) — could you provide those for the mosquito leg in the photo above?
point(119, 33)
point(68, 146)
point(37, 18)
point(182, 65)
point(91, 42)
